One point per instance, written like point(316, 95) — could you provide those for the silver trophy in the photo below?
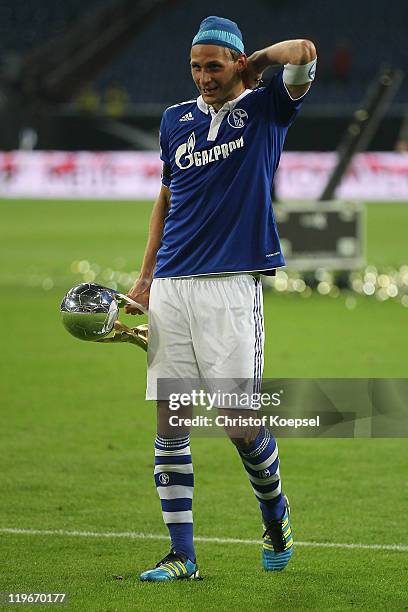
point(91, 312)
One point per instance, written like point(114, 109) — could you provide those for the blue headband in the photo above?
point(219, 31)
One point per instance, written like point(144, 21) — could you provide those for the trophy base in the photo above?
point(135, 335)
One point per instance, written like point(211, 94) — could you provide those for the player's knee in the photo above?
point(172, 423)
point(240, 433)
point(242, 442)
point(241, 437)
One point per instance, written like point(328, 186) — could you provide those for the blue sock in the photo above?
point(174, 477)
point(261, 461)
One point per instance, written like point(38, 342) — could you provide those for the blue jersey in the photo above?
point(221, 167)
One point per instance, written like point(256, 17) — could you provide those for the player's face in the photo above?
point(217, 76)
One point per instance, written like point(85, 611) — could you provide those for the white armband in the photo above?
point(299, 74)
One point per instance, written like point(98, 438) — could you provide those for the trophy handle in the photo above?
point(125, 299)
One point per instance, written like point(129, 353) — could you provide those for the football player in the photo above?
point(212, 235)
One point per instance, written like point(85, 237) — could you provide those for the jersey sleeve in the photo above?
point(164, 152)
point(282, 108)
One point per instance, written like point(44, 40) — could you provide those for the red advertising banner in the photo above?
point(136, 175)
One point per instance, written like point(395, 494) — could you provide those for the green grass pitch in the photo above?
point(76, 439)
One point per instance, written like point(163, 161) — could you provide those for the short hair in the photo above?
point(234, 54)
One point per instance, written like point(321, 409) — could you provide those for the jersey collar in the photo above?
point(228, 106)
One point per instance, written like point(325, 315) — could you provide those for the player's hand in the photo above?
point(140, 293)
point(251, 76)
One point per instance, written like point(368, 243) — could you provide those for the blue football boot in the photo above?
point(277, 547)
point(174, 566)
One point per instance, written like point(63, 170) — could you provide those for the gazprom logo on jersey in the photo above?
point(187, 157)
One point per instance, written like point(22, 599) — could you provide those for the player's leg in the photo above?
point(170, 355)
point(231, 347)
point(174, 478)
point(258, 450)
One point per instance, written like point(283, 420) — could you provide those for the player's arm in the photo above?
point(299, 58)
point(141, 289)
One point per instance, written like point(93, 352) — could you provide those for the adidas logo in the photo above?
point(187, 117)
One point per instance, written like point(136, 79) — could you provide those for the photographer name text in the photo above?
point(240, 421)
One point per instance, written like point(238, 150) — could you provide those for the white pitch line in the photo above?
point(133, 535)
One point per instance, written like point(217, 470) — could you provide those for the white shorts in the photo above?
point(205, 327)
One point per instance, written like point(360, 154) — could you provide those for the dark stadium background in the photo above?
point(79, 511)
point(61, 61)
